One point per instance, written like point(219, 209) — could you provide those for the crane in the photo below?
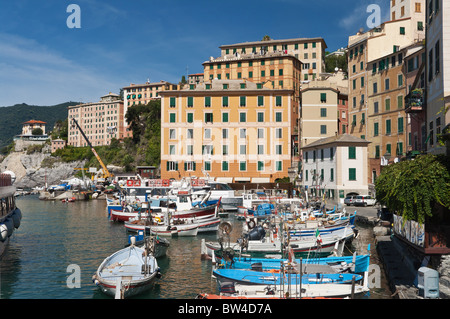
point(106, 172)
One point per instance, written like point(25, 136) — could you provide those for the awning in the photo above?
point(260, 180)
point(224, 179)
point(242, 179)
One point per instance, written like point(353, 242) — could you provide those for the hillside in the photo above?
point(12, 117)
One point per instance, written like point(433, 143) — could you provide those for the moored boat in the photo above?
point(10, 214)
point(128, 272)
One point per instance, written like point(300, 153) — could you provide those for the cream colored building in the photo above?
point(335, 166)
point(232, 130)
point(437, 72)
point(320, 112)
point(100, 121)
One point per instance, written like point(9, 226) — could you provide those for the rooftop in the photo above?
point(343, 139)
point(273, 41)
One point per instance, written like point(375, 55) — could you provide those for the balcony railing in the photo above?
point(414, 101)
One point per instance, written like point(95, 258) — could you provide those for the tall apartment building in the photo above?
point(100, 121)
point(311, 51)
point(323, 107)
point(437, 72)
point(386, 120)
point(232, 130)
point(370, 61)
point(135, 94)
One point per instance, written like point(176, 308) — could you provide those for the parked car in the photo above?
point(349, 200)
point(364, 200)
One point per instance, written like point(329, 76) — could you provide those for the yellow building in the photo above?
point(232, 130)
point(311, 51)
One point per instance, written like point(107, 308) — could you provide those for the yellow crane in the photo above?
point(106, 173)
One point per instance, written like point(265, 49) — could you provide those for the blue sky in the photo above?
point(43, 62)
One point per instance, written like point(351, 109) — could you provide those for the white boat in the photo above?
point(127, 272)
point(10, 215)
point(239, 291)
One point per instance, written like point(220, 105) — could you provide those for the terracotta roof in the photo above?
point(34, 122)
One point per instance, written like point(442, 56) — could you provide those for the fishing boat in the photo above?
point(128, 272)
point(229, 290)
point(354, 263)
point(10, 214)
point(251, 277)
point(157, 245)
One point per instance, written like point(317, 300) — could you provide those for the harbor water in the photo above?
point(59, 243)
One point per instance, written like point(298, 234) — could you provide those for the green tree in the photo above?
point(333, 61)
point(37, 131)
point(416, 187)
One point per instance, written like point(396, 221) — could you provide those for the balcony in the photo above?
point(414, 101)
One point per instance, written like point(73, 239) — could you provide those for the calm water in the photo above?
point(54, 235)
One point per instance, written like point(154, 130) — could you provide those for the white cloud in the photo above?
point(31, 73)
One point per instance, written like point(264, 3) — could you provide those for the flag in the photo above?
point(318, 238)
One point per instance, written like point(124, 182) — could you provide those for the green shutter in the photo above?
point(352, 152)
point(242, 101)
point(225, 117)
point(400, 124)
point(388, 127)
point(172, 102)
point(190, 117)
point(278, 100)
point(352, 174)
point(207, 101)
point(172, 117)
point(323, 97)
point(225, 101)
point(260, 117)
point(190, 101)
point(260, 100)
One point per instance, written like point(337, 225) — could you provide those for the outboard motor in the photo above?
point(257, 233)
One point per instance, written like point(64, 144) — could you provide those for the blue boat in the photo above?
point(251, 277)
point(360, 262)
point(262, 210)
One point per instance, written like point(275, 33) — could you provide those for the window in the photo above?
point(190, 133)
point(400, 80)
point(260, 100)
point(225, 101)
point(242, 149)
point(260, 133)
point(386, 84)
point(437, 57)
point(172, 134)
point(375, 88)
point(331, 174)
point(190, 117)
point(278, 149)
point(225, 166)
point(172, 117)
point(323, 129)
point(260, 117)
point(352, 174)
point(278, 133)
point(400, 125)
point(323, 97)
point(208, 118)
point(190, 101)
point(377, 151)
point(224, 133)
point(171, 166)
point(375, 107)
point(278, 117)
point(207, 165)
point(375, 129)
point(242, 101)
point(207, 101)
point(207, 150)
point(189, 150)
point(189, 166)
point(224, 149)
point(207, 133)
point(242, 133)
point(402, 29)
point(388, 127)
point(323, 112)
point(387, 103)
point(400, 102)
point(172, 101)
point(351, 152)
point(260, 149)
point(242, 117)
point(260, 166)
point(278, 101)
point(242, 166)
point(225, 117)
point(279, 166)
